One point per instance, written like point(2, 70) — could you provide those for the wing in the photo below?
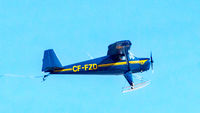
point(116, 50)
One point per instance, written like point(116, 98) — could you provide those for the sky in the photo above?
point(76, 28)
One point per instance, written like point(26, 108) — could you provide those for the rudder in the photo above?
point(50, 61)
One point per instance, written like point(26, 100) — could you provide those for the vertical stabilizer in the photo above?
point(50, 61)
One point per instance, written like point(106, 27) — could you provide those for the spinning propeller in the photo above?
point(151, 60)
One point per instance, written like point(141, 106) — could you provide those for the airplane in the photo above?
point(118, 61)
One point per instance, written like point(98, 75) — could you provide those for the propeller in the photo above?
point(151, 62)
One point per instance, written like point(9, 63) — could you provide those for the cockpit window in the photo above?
point(123, 58)
point(131, 56)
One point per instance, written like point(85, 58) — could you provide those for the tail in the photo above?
point(50, 61)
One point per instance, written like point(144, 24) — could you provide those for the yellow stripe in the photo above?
point(110, 64)
point(69, 69)
point(140, 62)
point(122, 63)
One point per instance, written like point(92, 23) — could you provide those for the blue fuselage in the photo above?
point(105, 66)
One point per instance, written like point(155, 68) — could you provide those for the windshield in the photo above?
point(131, 56)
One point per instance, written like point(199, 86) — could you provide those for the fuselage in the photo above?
point(105, 66)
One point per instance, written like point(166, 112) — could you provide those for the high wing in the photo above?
point(116, 50)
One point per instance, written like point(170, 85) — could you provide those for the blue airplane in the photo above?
point(118, 61)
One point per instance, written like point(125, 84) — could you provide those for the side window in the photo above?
point(131, 56)
point(123, 58)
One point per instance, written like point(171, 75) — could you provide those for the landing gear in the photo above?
point(128, 76)
point(45, 77)
point(142, 83)
point(135, 86)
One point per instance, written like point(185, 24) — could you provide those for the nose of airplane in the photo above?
point(146, 65)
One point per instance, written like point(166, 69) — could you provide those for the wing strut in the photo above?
point(128, 74)
point(125, 51)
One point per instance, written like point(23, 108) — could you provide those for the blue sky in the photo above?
point(74, 28)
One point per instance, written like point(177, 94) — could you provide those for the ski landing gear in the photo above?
point(133, 86)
